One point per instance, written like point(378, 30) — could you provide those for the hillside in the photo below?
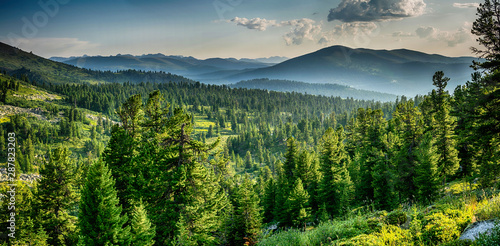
point(314, 89)
point(20, 63)
point(391, 71)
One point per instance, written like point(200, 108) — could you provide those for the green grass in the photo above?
point(442, 223)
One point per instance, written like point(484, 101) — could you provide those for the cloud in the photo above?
point(376, 10)
point(302, 29)
point(452, 38)
point(424, 32)
point(48, 47)
point(355, 33)
point(254, 23)
point(400, 34)
point(465, 5)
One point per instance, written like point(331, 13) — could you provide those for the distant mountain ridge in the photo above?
point(184, 65)
point(400, 71)
point(392, 71)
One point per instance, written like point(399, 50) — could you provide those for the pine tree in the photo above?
point(408, 126)
point(248, 218)
point(141, 229)
point(448, 161)
point(118, 155)
point(290, 159)
point(384, 195)
point(268, 203)
point(487, 28)
point(248, 161)
point(100, 219)
point(426, 172)
point(296, 206)
point(335, 189)
point(55, 196)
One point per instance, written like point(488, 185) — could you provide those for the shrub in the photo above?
point(389, 235)
point(462, 218)
point(438, 228)
point(396, 217)
point(489, 209)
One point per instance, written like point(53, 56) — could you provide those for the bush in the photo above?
point(438, 228)
point(376, 222)
point(396, 217)
point(461, 218)
point(389, 235)
point(489, 209)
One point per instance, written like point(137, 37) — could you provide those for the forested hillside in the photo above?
point(314, 89)
point(185, 163)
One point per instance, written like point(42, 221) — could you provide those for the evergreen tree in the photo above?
point(426, 172)
point(408, 126)
point(100, 216)
point(248, 218)
point(448, 161)
point(141, 229)
point(290, 159)
point(487, 28)
point(248, 161)
point(335, 189)
point(297, 210)
point(268, 203)
point(55, 196)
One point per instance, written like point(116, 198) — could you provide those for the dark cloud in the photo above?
point(254, 23)
point(376, 10)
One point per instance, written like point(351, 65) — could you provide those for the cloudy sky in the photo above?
point(235, 28)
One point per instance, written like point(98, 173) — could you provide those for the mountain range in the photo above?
point(401, 71)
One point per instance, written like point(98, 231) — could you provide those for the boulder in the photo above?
point(473, 230)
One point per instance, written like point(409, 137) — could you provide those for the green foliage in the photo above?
point(323, 234)
point(247, 217)
point(141, 229)
point(100, 219)
point(55, 196)
point(396, 217)
point(439, 228)
point(426, 171)
point(335, 188)
point(296, 206)
point(489, 208)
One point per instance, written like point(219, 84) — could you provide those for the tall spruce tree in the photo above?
point(55, 196)
point(296, 205)
point(141, 230)
point(448, 162)
point(247, 217)
point(100, 217)
point(426, 171)
point(335, 188)
point(408, 126)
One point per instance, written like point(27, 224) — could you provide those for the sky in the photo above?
point(235, 28)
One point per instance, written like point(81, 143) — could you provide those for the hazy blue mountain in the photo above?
point(397, 72)
point(183, 65)
point(393, 71)
point(314, 89)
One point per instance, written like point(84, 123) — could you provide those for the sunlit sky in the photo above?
point(235, 28)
